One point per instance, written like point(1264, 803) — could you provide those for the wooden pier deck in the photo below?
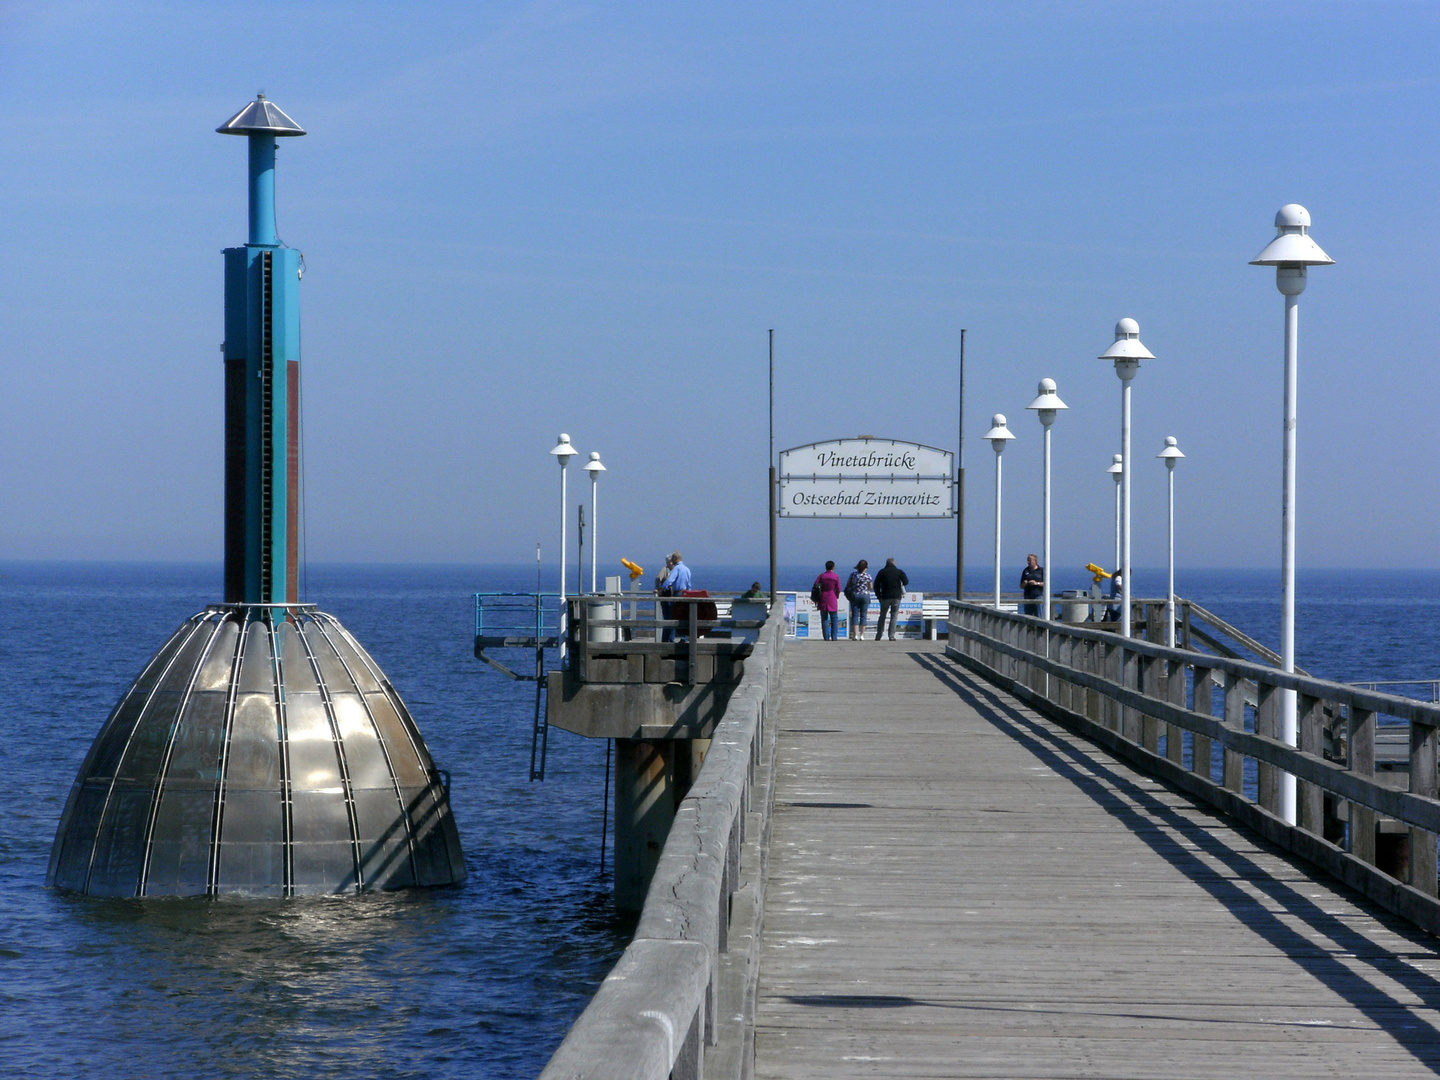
point(960, 887)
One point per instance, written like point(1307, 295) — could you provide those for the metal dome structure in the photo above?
point(262, 752)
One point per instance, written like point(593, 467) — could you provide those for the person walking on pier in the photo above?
point(1032, 582)
point(826, 594)
point(857, 592)
point(890, 585)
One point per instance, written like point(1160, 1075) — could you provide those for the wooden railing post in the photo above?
point(1423, 739)
point(692, 652)
point(1201, 761)
point(1267, 722)
point(1310, 798)
point(1362, 763)
point(1234, 778)
point(1177, 693)
point(1150, 687)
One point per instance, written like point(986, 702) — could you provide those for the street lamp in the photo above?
point(1171, 454)
point(563, 452)
point(1046, 406)
point(1115, 470)
point(1290, 253)
point(998, 435)
point(594, 468)
point(1127, 352)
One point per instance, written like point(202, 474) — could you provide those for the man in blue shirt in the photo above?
point(675, 583)
point(679, 579)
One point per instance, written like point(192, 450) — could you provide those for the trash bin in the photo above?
point(1073, 610)
point(602, 609)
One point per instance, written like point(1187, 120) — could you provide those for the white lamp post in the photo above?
point(998, 435)
point(1046, 406)
point(1290, 253)
point(594, 468)
point(563, 452)
point(1171, 454)
point(1127, 352)
point(1115, 470)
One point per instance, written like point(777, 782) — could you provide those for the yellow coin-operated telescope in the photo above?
point(636, 571)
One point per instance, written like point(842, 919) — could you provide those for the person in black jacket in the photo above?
point(890, 584)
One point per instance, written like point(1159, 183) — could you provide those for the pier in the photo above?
point(1033, 850)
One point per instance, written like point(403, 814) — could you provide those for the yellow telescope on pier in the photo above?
point(636, 571)
point(1099, 571)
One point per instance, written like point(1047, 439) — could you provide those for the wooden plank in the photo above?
point(960, 887)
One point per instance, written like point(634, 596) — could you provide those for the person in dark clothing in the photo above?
point(890, 585)
point(1032, 581)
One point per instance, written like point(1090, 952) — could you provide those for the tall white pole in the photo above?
point(1170, 596)
point(564, 498)
point(1291, 252)
point(1045, 614)
point(594, 532)
point(1125, 587)
point(1288, 725)
point(997, 532)
point(1116, 563)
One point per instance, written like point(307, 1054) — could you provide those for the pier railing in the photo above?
point(680, 1002)
point(628, 638)
point(1210, 725)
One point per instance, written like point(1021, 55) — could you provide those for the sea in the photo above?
point(477, 980)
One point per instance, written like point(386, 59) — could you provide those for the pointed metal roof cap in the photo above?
point(260, 117)
point(1127, 343)
point(1293, 247)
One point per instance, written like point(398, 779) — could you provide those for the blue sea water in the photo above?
point(480, 980)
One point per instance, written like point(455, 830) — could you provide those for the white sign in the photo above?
point(878, 478)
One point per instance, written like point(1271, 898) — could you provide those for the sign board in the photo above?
point(802, 617)
point(867, 478)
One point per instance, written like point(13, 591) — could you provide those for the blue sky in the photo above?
point(521, 218)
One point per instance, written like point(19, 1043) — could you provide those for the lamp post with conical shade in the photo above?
point(1046, 406)
point(998, 435)
point(1291, 252)
point(563, 452)
point(594, 468)
point(1127, 352)
point(1170, 455)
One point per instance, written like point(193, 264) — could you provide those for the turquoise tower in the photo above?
point(262, 383)
point(262, 751)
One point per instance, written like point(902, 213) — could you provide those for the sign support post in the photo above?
point(773, 495)
point(960, 484)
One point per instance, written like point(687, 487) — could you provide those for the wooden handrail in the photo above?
point(1123, 691)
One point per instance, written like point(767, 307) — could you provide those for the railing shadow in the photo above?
point(1412, 1026)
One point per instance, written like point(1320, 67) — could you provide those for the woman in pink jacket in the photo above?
point(828, 586)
